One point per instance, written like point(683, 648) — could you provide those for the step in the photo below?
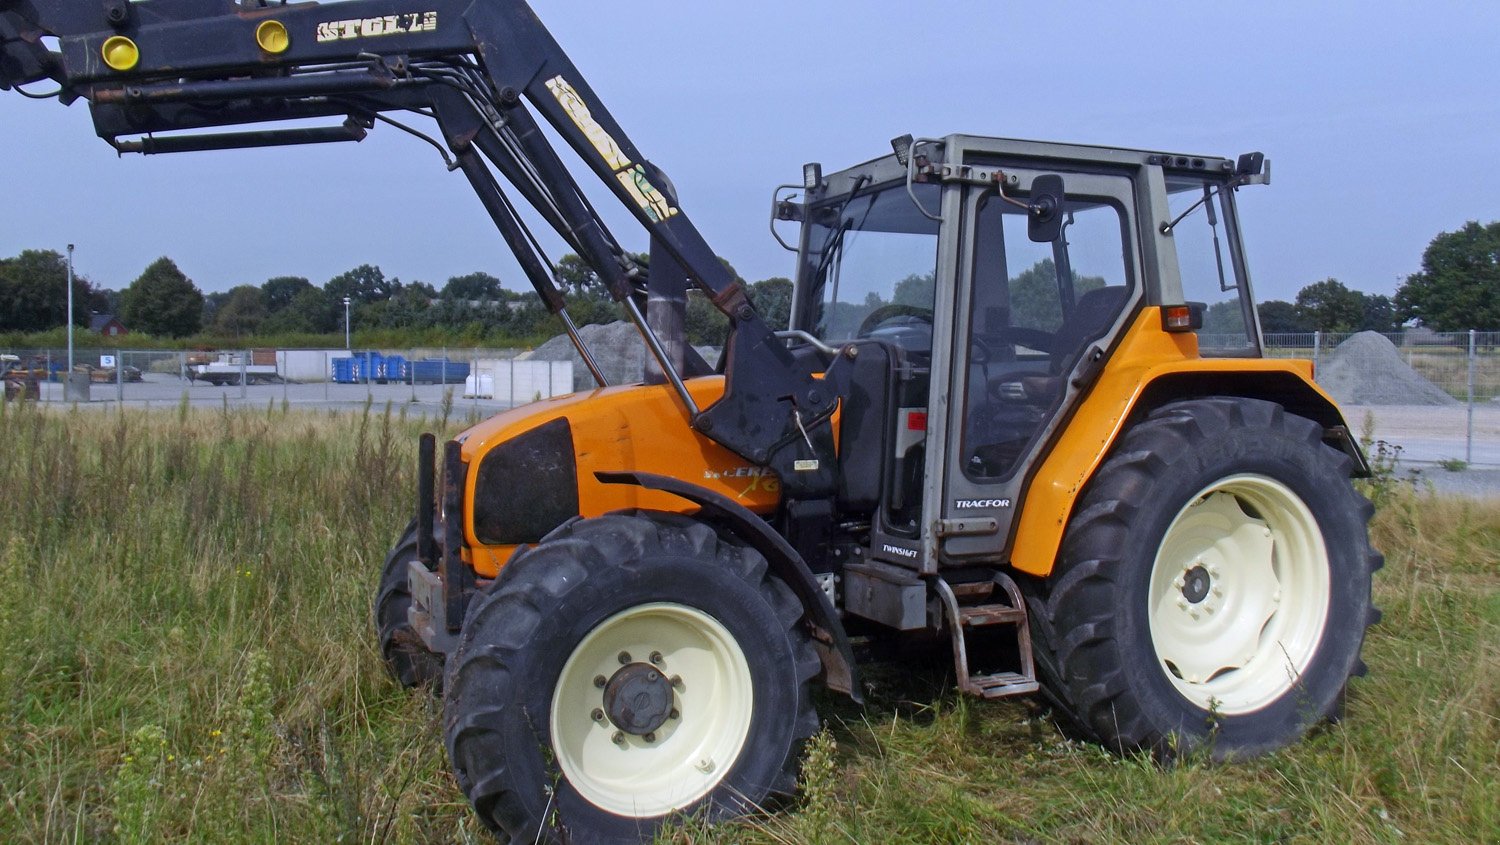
point(970, 617)
point(1002, 684)
point(980, 615)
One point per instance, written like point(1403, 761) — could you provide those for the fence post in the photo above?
point(120, 378)
point(411, 372)
point(244, 375)
point(1317, 348)
point(474, 374)
point(1469, 432)
point(327, 374)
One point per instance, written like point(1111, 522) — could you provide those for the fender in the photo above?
point(1150, 367)
point(829, 637)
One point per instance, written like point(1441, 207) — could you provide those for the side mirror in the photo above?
point(1044, 213)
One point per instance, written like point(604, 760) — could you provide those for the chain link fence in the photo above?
point(435, 380)
point(1434, 395)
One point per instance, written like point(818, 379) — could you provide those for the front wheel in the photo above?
point(406, 657)
point(626, 670)
point(1214, 584)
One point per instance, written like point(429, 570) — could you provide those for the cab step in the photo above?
point(962, 619)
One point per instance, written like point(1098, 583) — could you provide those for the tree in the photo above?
point(163, 301)
point(1459, 285)
point(1331, 307)
point(474, 287)
point(34, 292)
point(364, 283)
point(1034, 299)
point(311, 311)
point(703, 323)
point(916, 290)
point(1281, 317)
point(1379, 314)
point(242, 312)
point(575, 276)
point(773, 299)
point(280, 291)
point(1226, 320)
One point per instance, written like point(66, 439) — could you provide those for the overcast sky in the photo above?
point(1382, 120)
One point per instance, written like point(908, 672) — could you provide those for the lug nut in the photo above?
point(656, 658)
point(597, 715)
point(618, 738)
point(676, 682)
point(674, 714)
point(650, 736)
point(624, 658)
point(600, 681)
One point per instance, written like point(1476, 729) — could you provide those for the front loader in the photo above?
point(1021, 407)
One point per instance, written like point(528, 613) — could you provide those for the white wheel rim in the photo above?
point(1239, 594)
point(683, 760)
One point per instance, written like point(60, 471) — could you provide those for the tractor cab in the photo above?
point(982, 284)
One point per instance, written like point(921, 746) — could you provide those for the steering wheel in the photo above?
point(886, 312)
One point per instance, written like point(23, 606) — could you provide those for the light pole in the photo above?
point(347, 345)
point(69, 316)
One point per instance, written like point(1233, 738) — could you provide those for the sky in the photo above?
point(1381, 119)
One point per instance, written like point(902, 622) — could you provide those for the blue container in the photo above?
point(359, 368)
point(343, 371)
point(438, 371)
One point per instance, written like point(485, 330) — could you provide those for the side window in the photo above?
point(1207, 266)
point(1035, 308)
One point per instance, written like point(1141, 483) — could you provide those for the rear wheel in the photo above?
point(1214, 584)
point(626, 670)
point(406, 657)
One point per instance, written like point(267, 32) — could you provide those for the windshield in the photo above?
point(869, 267)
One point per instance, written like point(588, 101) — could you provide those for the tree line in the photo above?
point(1457, 288)
point(163, 302)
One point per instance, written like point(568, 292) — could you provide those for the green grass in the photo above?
point(189, 659)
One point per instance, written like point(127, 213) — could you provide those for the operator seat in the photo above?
point(1095, 312)
point(1018, 409)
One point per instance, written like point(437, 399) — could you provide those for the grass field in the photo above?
point(188, 658)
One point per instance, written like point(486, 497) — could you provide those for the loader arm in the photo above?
point(157, 73)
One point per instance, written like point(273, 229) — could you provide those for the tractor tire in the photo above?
point(407, 658)
point(1213, 588)
point(627, 671)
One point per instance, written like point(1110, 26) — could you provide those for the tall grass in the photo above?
point(187, 657)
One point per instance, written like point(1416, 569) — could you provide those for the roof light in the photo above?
point(812, 176)
point(902, 147)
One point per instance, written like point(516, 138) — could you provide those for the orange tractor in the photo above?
point(1022, 406)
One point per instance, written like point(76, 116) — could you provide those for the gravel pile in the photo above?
point(617, 348)
point(1367, 369)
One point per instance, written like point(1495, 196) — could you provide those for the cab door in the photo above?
point(1032, 325)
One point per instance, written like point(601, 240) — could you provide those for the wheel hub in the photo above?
point(1195, 584)
point(638, 699)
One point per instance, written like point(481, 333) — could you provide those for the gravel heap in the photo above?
point(1367, 369)
point(618, 350)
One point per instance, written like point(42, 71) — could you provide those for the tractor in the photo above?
point(1022, 408)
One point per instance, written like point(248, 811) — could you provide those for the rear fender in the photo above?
point(1126, 393)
